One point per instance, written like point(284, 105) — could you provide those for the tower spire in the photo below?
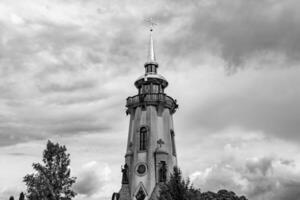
point(151, 52)
point(151, 63)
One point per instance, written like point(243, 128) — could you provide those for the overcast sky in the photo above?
point(67, 67)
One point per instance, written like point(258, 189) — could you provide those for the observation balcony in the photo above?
point(154, 99)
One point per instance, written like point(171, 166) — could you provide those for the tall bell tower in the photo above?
point(151, 152)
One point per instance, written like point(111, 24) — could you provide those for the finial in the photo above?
point(151, 23)
point(151, 53)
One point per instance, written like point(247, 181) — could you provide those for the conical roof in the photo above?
point(151, 53)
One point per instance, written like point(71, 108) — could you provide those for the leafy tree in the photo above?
point(51, 180)
point(11, 198)
point(22, 196)
point(221, 194)
point(177, 188)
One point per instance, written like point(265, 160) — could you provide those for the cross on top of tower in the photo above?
point(151, 23)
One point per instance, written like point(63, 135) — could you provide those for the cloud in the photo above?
point(92, 178)
point(256, 178)
point(245, 162)
point(80, 85)
point(55, 75)
point(235, 30)
point(67, 67)
point(262, 165)
point(257, 100)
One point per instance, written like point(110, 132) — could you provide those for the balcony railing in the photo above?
point(152, 99)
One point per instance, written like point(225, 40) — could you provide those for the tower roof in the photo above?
point(151, 52)
point(151, 59)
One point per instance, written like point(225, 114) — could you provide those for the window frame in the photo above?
point(172, 134)
point(143, 139)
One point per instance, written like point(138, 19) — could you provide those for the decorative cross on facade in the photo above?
point(160, 142)
point(151, 23)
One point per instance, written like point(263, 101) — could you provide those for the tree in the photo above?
point(221, 194)
point(51, 180)
point(177, 188)
point(11, 198)
point(22, 196)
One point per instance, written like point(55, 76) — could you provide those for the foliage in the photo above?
point(220, 195)
point(51, 180)
point(22, 196)
point(177, 188)
point(11, 198)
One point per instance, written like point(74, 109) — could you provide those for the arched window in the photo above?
point(143, 138)
point(173, 142)
point(163, 172)
point(140, 195)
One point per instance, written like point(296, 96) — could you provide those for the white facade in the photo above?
point(151, 152)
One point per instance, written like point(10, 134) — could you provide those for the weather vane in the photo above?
point(151, 23)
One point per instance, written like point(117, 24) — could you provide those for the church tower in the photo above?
point(151, 152)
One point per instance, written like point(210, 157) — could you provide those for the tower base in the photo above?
point(124, 194)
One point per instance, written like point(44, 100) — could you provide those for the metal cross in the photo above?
point(151, 23)
point(160, 142)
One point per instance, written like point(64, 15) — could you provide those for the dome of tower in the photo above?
point(151, 77)
point(146, 76)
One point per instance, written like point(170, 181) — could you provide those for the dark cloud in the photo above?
point(287, 162)
point(262, 165)
point(273, 185)
point(91, 179)
point(279, 119)
point(290, 190)
point(48, 67)
point(268, 104)
point(36, 122)
point(236, 30)
point(63, 74)
point(69, 87)
point(78, 98)
point(18, 154)
point(77, 127)
point(11, 134)
point(88, 183)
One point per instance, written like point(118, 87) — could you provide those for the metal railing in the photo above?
point(152, 99)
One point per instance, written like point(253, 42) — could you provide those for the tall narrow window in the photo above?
point(173, 142)
point(143, 138)
point(163, 172)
